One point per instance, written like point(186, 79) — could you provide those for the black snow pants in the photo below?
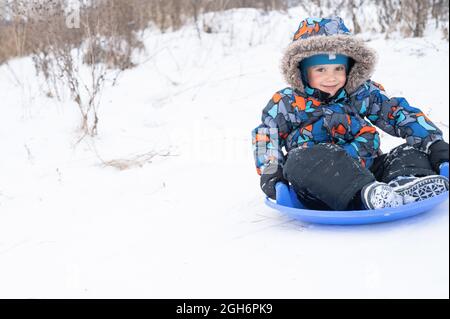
point(325, 177)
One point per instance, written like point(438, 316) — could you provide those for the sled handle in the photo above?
point(282, 194)
point(286, 196)
point(444, 169)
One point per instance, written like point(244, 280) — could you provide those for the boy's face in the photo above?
point(327, 77)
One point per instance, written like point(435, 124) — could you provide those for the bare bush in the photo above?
point(411, 17)
point(125, 18)
point(135, 161)
point(128, 163)
point(106, 39)
point(79, 59)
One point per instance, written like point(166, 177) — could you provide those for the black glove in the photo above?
point(438, 154)
point(269, 178)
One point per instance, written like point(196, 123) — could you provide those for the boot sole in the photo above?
point(423, 188)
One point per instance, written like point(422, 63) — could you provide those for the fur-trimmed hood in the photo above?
point(328, 35)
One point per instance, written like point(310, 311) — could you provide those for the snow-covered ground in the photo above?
point(191, 222)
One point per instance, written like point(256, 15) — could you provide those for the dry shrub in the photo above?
point(23, 23)
point(135, 161)
point(26, 25)
point(8, 48)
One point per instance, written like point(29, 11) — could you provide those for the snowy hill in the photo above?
point(187, 218)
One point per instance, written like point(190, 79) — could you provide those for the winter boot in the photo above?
point(414, 189)
point(378, 195)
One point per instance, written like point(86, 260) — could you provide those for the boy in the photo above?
point(324, 121)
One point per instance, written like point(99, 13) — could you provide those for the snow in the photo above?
point(189, 221)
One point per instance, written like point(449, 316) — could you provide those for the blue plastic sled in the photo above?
point(288, 203)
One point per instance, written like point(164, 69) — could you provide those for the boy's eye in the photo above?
point(320, 69)
point(340, 68)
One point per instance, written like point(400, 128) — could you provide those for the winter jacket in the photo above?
point(300, 116)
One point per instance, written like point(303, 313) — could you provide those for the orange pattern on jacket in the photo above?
point(306, 29)
point(366, 129)
point(299, 103)
point(276, 98)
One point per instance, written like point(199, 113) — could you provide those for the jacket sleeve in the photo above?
point(396, 117)
point(269, 137)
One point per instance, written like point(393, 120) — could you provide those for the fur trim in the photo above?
point(365, 58)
